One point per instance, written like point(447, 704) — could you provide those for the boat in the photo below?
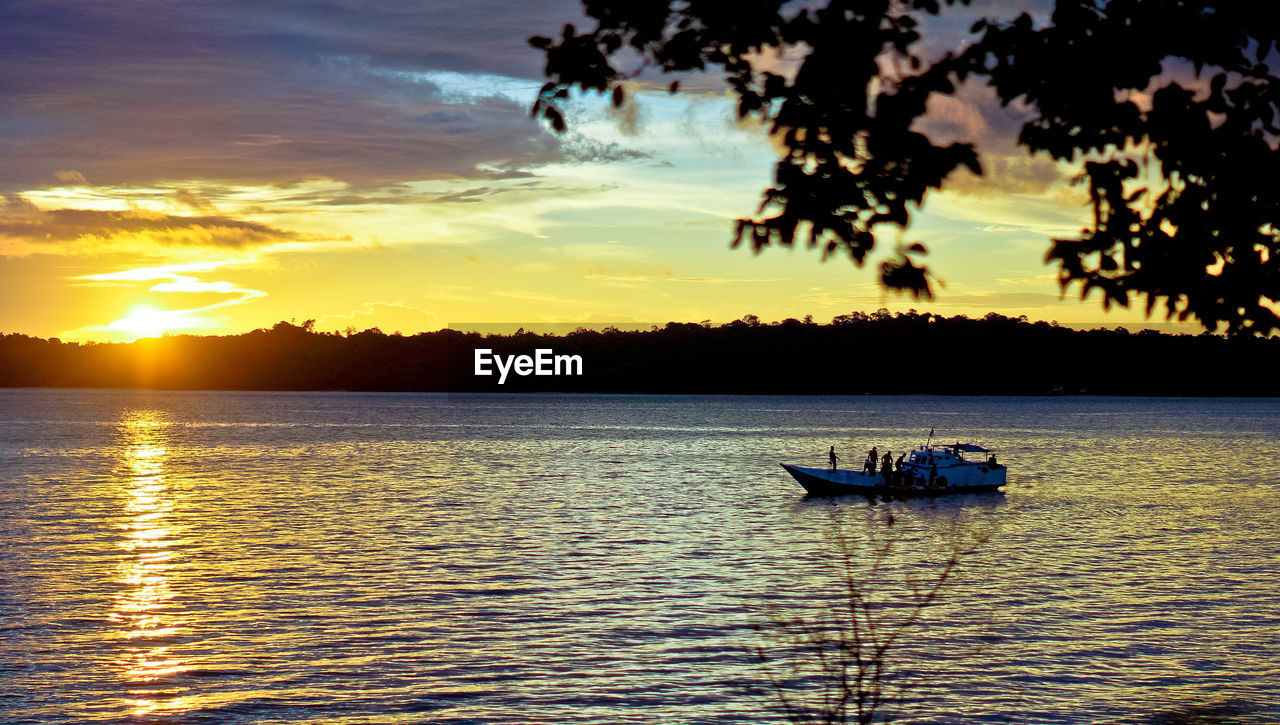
point(930, 470)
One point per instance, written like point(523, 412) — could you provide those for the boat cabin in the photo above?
point(944, 456)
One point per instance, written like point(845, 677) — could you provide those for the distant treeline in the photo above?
point(856, 353)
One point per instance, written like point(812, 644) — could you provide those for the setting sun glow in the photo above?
point(146, 321)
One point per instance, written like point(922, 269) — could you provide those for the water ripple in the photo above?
point(344, 558)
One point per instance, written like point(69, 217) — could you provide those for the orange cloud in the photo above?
point(1015, 174)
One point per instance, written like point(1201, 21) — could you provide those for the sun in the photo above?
point(147, 321)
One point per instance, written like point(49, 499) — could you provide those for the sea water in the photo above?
point(393, 558)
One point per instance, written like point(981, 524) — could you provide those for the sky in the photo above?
point(214, 167)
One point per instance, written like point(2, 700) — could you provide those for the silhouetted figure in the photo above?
point(886, 467)
point(991, 462)
point(933, 475)
point(870, 466)
point(834, 458)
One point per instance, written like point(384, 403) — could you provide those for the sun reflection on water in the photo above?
point(144, 608)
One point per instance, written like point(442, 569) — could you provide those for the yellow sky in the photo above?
point(436, 201)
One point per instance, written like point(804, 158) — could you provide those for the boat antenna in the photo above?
point(930, 441)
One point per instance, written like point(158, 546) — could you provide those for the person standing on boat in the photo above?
point(886, 467)
point(870, 466)
point(834, 458)
point(933, 474)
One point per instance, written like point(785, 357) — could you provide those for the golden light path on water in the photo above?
point(144, 608)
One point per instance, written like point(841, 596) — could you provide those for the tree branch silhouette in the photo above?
point(849, 649)
point(1185, 212)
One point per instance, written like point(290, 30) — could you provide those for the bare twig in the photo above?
point(848, 647)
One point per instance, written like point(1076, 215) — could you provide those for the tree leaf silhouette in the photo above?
point(1185, 211)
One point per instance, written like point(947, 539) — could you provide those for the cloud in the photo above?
point(70, 177)
point(192, 200)
point(525, 295)
point(609, 250)
point(1011, 174)
point(1001, 300)
point(975, 115)
point(1038, 280)
point(731, 280)
point(483, 193)
point(27, 229)
point(172, 279)
point(643, 273)
point(147, 93)
point(1059, 211)
point(584, 150)
point(628, 116)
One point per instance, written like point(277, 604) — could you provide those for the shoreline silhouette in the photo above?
point(854, 354)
